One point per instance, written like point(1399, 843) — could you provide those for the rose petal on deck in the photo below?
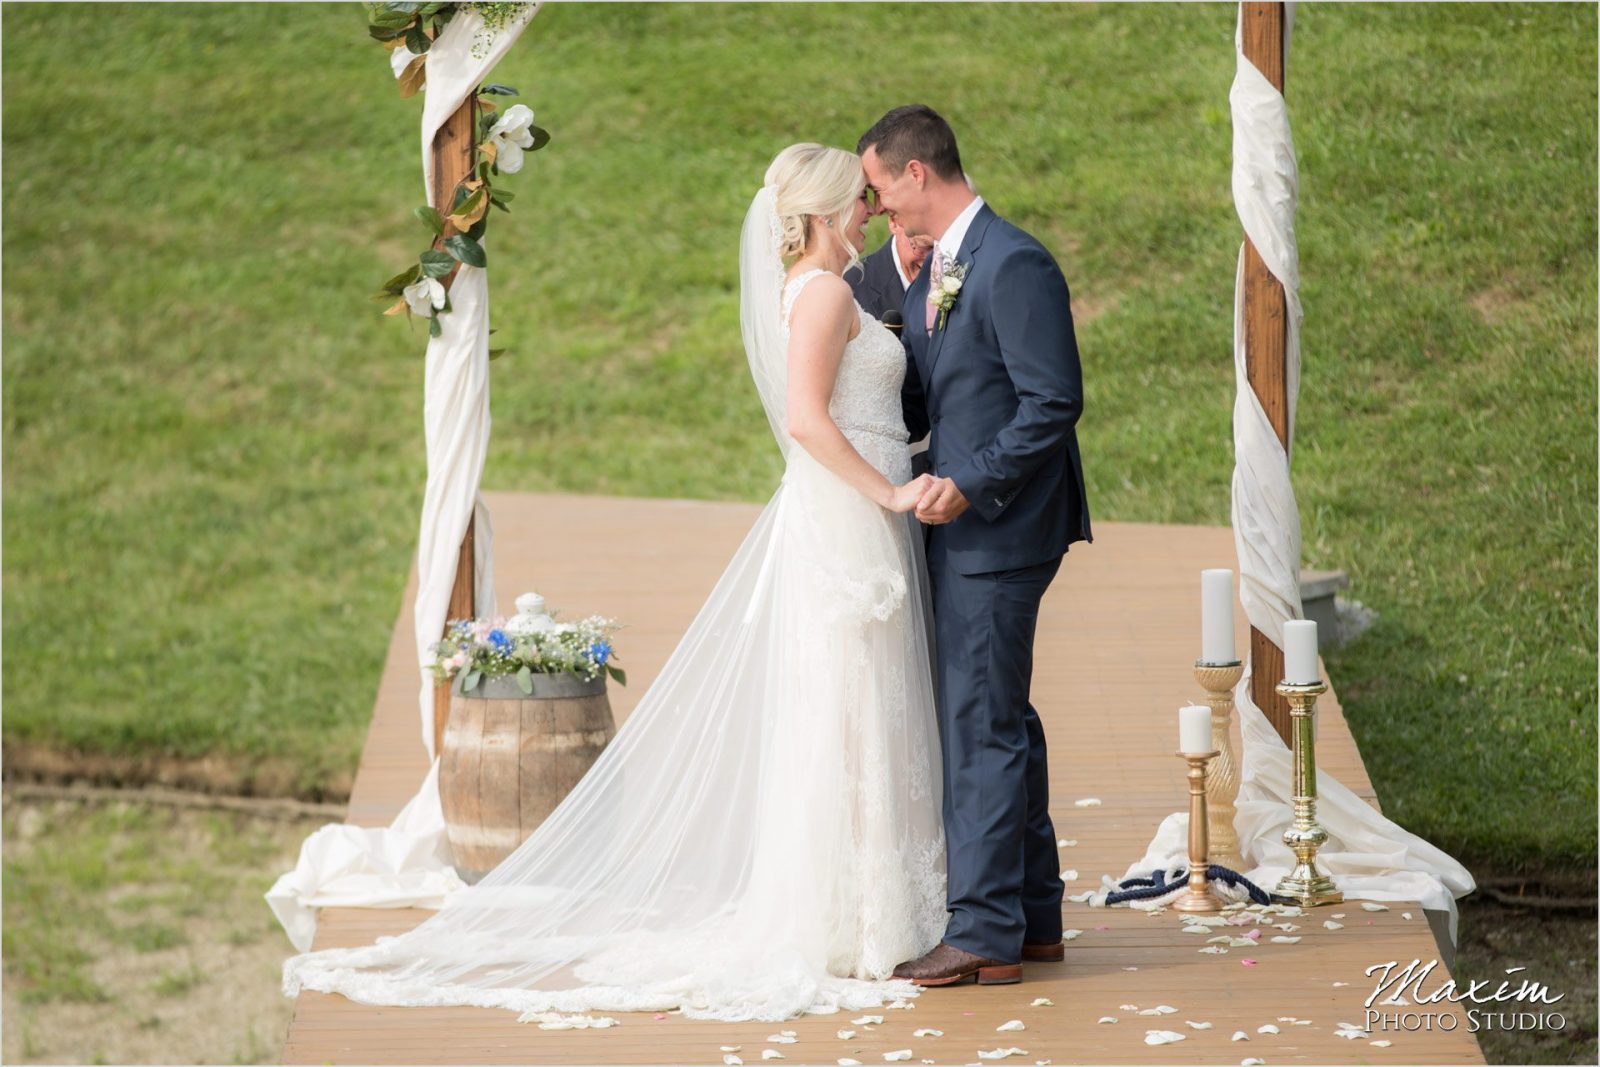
point(1087, 802)
point(1162, 1037)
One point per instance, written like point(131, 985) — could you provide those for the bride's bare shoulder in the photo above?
point(826, 299)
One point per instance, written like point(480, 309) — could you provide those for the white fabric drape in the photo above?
point(407, 864)
point(1369, 856)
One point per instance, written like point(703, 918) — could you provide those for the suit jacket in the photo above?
point(1001, 389)
point(877, 283)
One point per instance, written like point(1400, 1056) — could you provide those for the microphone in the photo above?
point(893, 320)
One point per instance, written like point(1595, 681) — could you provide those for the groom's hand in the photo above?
point(942, 503)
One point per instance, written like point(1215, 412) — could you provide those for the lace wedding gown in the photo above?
point(763, 836)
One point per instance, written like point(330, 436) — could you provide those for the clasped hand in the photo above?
point(935, 500)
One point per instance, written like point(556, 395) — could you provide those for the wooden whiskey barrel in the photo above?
point(509, 758)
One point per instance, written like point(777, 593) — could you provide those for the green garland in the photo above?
point(416, 26)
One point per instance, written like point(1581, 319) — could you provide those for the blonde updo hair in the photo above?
point(814, 179)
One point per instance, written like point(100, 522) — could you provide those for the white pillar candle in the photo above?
point(1300, 652)
point(1216, 616)
point(1194, 729)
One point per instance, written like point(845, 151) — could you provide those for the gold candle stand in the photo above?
point(1222, 778)
point(1196, 897)
point(1306, 885)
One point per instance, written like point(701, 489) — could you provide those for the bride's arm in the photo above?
point(824, 315)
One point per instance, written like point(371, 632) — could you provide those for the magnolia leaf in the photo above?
point(403, 279)
point(496, 353)
point(485, 104)
point(436, 264)
point(541, 137)
point(434, 329)
point(418, 41)
point(432, 219)
point(490, 150)
point(391, 37)
point(471, 210)
point(496, 203)
point(398, 308)
point(498, 90)
point(390, 19)
point(506, 195)
point(416, 74)
point(525, 681)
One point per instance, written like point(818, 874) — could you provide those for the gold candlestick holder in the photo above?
point(1306, 885)
point(1197, 897)
point(1222, 778)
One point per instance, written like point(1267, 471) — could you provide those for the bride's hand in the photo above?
point(906, 497)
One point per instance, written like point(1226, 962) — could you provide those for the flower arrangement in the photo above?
point(526, 644)
point(953, 276)
point(501, 141)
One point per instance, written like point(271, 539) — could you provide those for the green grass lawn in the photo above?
point(213, 442)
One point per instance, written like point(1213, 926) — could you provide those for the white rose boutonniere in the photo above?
point(954, 275)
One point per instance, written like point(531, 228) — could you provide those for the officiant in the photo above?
point(880, 285)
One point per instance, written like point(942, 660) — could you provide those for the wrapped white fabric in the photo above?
point(408, 864)
point(1367, 855)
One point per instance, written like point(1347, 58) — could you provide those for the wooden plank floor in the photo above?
point(1118, 633)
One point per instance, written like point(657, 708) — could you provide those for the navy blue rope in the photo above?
point(1157, 885)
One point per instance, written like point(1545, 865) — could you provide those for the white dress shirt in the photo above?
point(950, 242)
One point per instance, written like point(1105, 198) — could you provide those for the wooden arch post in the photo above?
point(1265, 345)
point(453, 151)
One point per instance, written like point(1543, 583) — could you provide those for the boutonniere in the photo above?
point(950, 281)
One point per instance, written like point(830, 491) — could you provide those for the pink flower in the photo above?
point(1254, 935)
point(1247, 962)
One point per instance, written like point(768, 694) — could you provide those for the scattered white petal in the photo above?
point(1406, 915)
point(1302, 1022)
point(1219, 939)
point(1065, 843)
point(1108, 1018)
point(1000, 1053)
point(1130, 968)
point(848, 1063)
point(1287, 928)
point(1382, 1044)
point(1162, 1037)
point(1215, 950)
point(732, 1048)
point(1329, 924)
point(902, 1054)
point(1130, 1007)
point(927, 1032)
point(731, 1060)
point(1087, 802)
point(1268, 1029)
point(1396, 999)
point(1240, 1035)
point(867, 1020)
point(1042, 1002)
point(902, 1005)
point(782, 1039)
point(1336, 985)
point(1245, 942)
point(1197, 1026)
point(1010, 1027)
point(771, 1054)
point(1069, 935)
point(1367, 905)
point(1251, 1061)
point(550, 1020)
point(1338, 915)
point(1348, 1026)
point(1080, 898)
point(1069, 875)
point(1194, 928)
point(1281, 940)
point(1350, 1034)
point(1205, 920)
point(1287, 1018)
point(844, 1035)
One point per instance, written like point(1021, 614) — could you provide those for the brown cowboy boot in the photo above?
point(947, 965)
point(1044, 952)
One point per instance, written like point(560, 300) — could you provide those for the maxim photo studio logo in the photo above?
point(1513, 1004)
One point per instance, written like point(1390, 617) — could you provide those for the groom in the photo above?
point(993, 373)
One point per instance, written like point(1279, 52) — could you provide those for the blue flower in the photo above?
point(600, 651)
point(500, 641)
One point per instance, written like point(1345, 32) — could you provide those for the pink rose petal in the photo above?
point(1102, 927)
point(1254, 935)
point(660, 1016)
point(1247, 962)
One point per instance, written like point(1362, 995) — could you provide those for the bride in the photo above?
point(763, 836)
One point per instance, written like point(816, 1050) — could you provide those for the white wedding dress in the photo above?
point(763, 837)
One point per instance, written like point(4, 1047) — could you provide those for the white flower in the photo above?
point(1162, 1037)
point(951, 284)
point(424, 295)
point(510, 135)
point(925, 1032)
point(891, 1057)
point(1008, 1027)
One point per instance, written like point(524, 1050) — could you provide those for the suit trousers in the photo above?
point(1004, 872)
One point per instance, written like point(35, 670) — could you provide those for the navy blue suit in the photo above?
point(1000, 388)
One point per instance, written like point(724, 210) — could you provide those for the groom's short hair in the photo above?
point(915, 131)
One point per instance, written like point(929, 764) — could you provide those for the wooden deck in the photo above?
point(1117, 636)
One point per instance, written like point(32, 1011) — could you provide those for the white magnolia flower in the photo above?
point(510, 135)
point(423, 296)
point(950, 284)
